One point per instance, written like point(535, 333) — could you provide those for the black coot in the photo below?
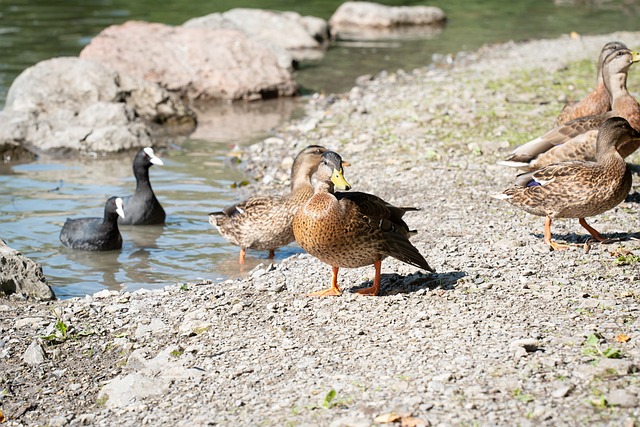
point(142, 207)
point(95, 234)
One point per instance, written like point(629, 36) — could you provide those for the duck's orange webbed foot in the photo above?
point(334, 290)
point(547, 237)
point(326, 293)
point(557, 246)
point(594, 233)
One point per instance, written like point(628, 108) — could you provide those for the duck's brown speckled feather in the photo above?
point(354, 230)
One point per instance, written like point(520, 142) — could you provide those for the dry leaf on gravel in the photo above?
point(622, 337)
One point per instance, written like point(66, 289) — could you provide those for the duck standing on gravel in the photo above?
point(95, 234)
point(352, 229)
point(597, 101)
point(264, 222)
point(576, 140)
point(142, 207)
point(578, 189)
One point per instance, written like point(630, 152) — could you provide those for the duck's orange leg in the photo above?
point(375, 289)
point(242, 254)
point(594, 233)
point(547, 236)
point(272, 254)
point(333, 290)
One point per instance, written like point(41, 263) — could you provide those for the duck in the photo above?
point(352, 229)
point(576, 140)
point(95, 234)
point(142, 207)
point(264, 222)
point(597, 101)
point(577, 189)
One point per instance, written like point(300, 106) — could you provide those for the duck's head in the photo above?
point(618, 61)
point(608, 49)
point(614, 132)
point(330, 169)
point(306, 163)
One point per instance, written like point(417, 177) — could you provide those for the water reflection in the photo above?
point(243, 120)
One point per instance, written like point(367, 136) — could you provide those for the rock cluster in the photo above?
point(152, 74)
point(81, 105)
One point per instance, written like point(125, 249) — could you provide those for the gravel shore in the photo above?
point(505, 333)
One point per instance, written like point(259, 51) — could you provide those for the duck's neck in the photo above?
point(324, 187)
point(617, 86)
point(301, 178)
point(610, 159)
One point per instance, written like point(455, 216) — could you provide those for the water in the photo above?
point(36, 198)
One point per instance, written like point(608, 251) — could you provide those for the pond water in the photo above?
point(36, 198)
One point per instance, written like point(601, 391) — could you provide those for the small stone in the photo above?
point(58, 421)
point(155, 326)
point(622, 398)
point(562, 391)
point(105, 293)
point(621, 367)
point(443, 377)
point(237, 308)
point(27, 321)
point(34, 355)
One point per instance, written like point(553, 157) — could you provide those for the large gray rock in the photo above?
point(201, 63)
point(77, 104)
point(21, 275)
point(301, 37)
point(362, 19)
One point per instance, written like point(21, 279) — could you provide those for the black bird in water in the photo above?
point(142, 207)
point(95, 234)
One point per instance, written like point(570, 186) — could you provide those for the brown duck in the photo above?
point(578, 189)
point(576, 140)
point(264, 222)
point(597, 101)
point(352, 229)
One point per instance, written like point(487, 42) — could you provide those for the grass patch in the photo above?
point(592, 347)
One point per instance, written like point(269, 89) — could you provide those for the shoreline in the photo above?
point(500, 335)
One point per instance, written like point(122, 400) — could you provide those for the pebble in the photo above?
point(34, 355)
point(622, 398)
